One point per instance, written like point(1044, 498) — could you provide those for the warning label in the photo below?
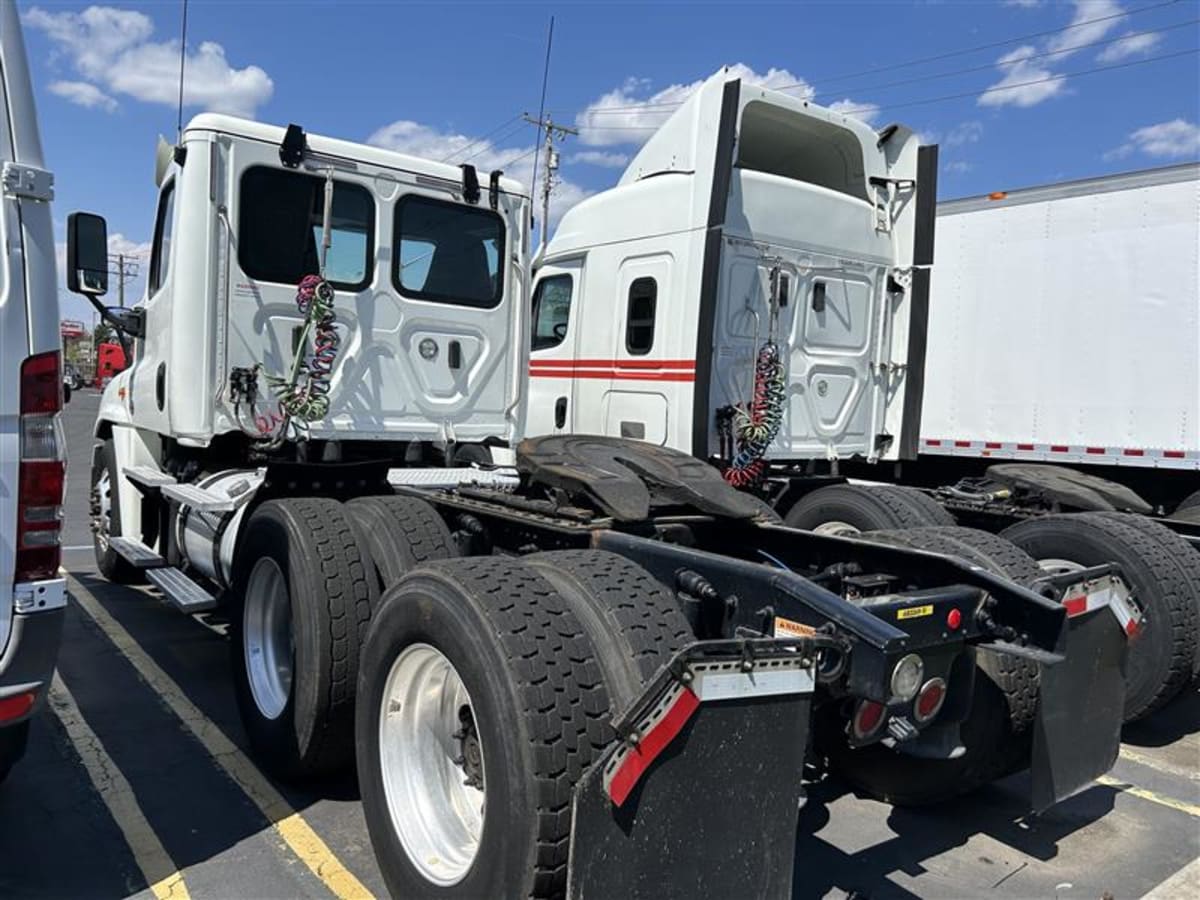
point(785, 628)
point(915, 612)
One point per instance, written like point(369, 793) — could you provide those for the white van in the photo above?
point(32, 445)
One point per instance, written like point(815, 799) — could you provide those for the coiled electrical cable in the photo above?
point(304, 397)
point(756, 429)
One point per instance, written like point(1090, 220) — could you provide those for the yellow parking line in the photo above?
point(291, 826)
point(1166, 768)
point(1154, 797)
point(159, 870)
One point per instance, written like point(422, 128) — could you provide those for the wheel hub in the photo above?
point(267, 638)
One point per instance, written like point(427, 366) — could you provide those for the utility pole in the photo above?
point(552, 131)
point(126, 269)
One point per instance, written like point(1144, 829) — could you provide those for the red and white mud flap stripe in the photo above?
point(710, 682)
point(1109, 591)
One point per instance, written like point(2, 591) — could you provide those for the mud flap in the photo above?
point(711, 810)
point(1077, 734)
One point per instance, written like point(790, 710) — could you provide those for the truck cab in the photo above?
point(32, 444)
point(750, 217)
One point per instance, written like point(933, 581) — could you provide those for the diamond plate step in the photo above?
point(136, 553)
point(148, 476)
point(182, 593)
point(199, 499)
point(448, 478)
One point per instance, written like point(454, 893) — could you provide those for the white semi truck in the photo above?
point(781, 330)
point(507, 654)
point(32, 446)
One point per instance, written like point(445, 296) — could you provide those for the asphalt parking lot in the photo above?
point(137, 783)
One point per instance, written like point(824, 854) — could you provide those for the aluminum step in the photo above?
point(199, 499)
point(148, 476)
point(136, 553)
point(180, 591)
point(449, 478)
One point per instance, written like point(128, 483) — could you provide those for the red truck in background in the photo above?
point(110, 359)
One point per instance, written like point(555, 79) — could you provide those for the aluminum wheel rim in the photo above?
point(836, 528)
point(437, 816)
point(267, 640)
point(103, 521)
point(1054, 566)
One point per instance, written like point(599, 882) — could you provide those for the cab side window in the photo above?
point(164, 226)
point(551, 311)
point(639, 320)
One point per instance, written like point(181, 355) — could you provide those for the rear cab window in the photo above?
point(279, 229)
point(551, 311)
point(448, 253)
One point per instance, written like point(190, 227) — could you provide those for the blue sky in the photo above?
point(435, 78)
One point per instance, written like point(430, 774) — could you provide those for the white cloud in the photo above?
point(112, 50)
point(1084, 29)
point(847, 107)
point(84, 94)
point(601, 158)
point(1015, 88)
point(957, 166)
point(968, 132)
point(1024, 4)
point(1129, 46)
point(118, 243)
point(1175, 139)
point(517, 162)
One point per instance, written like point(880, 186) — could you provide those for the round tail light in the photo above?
point(868, 719)
point(929, 700)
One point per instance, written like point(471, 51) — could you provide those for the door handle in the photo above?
point(454, 356)
point(560, 412)
point(818, 297)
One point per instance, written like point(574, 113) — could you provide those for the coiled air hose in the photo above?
point(756, 428)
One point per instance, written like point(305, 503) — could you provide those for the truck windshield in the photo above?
point(279, 228)
point(448, 253)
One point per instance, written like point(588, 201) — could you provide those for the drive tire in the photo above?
point(330, 593)
point(997, 732)
point(634, 623)
point(1191, 501)
point(538, 704)
point(399, 533)
point(111, 564)
point(854, 508)
point(1163, 574)
point(13, 739)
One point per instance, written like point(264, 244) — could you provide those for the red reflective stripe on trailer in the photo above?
point(651, 745)
point(1096, 450)
point(1174, 454)
point(1059, 448)
point(613, 374)
point(1024, 446)
point(932, 442)
point(962, 443)
point(1075, 605)
point(684, 364)
point(993, 445)
point(1129, 451)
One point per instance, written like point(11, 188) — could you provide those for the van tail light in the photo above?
point(42, 469)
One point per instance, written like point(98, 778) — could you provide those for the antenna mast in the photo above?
point(182, 59)
point(552, 131)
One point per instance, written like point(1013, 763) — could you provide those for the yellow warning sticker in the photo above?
point(915, 612)
point(785, 628)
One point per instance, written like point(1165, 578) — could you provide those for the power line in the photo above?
point(510, 133)
point(998, 88)
point(480, 140)
point(542, 112)
point(914, 62)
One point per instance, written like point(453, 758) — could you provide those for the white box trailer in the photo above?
point(1064, 327)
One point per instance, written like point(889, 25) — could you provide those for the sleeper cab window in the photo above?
point(279, 229)
point(639, 321)
point(551, 311)
point(448, 252)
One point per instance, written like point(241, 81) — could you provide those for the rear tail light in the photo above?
point(42, 469)
point(929, 700)
point(868, 718)
point(16, 706)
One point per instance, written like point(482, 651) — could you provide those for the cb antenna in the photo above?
point(537, 152)
point(182, 60)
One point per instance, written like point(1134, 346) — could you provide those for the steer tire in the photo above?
point(634, 623)
point(862, 508)
point(997, 732)
point(1162, 572)
point(399, 533)
point(330, 596)
point(111, 564)
point(537, 702)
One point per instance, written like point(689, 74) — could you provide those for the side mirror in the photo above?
point(87, 254)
